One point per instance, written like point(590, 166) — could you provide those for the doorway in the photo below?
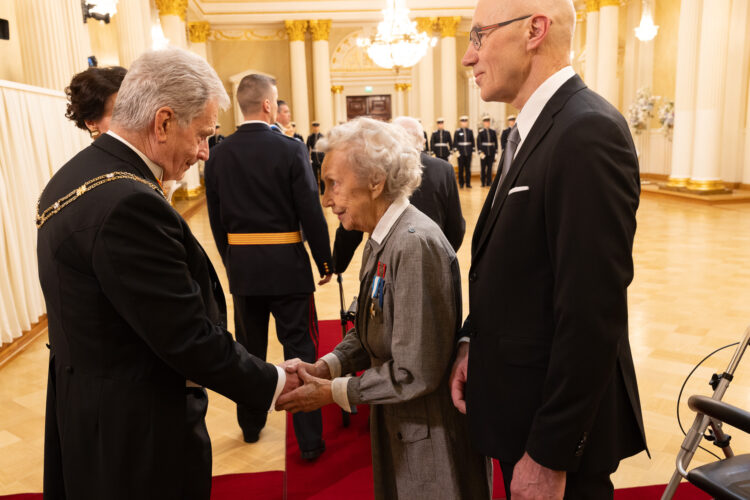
point(374, 106)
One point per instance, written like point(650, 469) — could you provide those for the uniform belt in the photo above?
point(264, 238)
point(464, 143)
point(488, 144)
point(442, 144)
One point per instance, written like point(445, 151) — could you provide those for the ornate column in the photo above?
point(712, 62)
point(133, 20)
point(592, 43)
point(198, 34)
point(685, 92)
point(606, 73)
point(426, 79)
point(172, 16)
point(746, 173)
point(300, 111)
point(320, 30)
point(449, 99)
point(401, 99)
point(339, 104)
point(54, 41)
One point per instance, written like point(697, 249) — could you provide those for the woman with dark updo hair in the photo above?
point(91, 98)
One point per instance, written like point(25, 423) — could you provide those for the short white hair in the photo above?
point(172, 77)
point(414, 128)
point(378, 151)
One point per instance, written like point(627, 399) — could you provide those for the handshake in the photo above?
point(307, 387)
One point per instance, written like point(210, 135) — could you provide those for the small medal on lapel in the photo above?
point(377, 290)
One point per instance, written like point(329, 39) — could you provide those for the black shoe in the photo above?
point(468, 186)
point(311, 455)
point(251, 437)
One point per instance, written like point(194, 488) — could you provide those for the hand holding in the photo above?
point(533, 481)
point(325, 279)
point(291, 383)
point(312, 394)
point(458, 377)
point(319, 369)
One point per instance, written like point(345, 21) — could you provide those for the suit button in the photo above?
point(473, 276)
point(399, 436)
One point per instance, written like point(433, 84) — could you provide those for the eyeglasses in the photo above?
point(475, 36)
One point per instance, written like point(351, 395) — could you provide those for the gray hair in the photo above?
point(252, 91)
point(378, 151)
point(414, 128)
point(172, 77)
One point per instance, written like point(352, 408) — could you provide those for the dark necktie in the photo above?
point(510, 150)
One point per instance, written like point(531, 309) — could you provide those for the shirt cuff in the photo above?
point(338, 390)
point(279, 387)
point(464, 339)
point(334, 364)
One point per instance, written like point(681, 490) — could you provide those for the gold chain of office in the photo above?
point(85, 188)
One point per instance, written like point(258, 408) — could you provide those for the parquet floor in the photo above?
point(691, 295)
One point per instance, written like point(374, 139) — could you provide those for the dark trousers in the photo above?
point(485, 171)
point(197, 445)
point(464, 170)
point(578, 485)
point(297, 330)
point(316, 173)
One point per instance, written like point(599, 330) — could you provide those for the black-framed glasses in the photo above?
point(475, 35)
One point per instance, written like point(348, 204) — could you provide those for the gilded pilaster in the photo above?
point(295, 30)
point(172, 8)
point(198, 31)
point(448, 26)
point(320, 29)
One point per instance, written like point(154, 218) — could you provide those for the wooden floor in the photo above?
point(691, 294)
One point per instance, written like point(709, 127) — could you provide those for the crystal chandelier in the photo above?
point(397, 44)
point(647, 30)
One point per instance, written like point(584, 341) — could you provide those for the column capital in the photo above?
point(426, 24)
point(402, 87)
point(198, 31)
point(610, 3)
point(592, 5)
point(295, 30)
point(320, 29)
point(448, 26)
point(172, 8)
point(337, 89)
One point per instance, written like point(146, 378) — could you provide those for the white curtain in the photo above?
point(35, 140)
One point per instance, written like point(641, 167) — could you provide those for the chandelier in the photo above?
point(647, 30)
point(397, 44)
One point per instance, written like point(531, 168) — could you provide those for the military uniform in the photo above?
point(487, 146)
point(441, 144)
point(316, 158)
point(463, 142)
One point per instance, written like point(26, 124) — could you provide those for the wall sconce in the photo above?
point(101, 10)
point(647, 30)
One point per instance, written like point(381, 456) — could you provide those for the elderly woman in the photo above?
point(409, 309)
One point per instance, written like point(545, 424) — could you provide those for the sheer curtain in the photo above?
point(35, 140)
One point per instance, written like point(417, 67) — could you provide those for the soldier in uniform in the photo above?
point(216, 138)
point(440, 142)
point(463, 142)
point(260, 190)
point(487, 146)
point(295, 135)
point(506, 132)
point(316, 157)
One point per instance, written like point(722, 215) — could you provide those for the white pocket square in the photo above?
point(518, 189)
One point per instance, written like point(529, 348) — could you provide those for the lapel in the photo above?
point(120, 150)
point(489, 214)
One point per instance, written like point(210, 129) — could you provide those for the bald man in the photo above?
point(544, 363)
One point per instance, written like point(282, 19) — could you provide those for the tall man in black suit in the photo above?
point(436, 197)
point(547, 377)
point(441, 143)
point(463, 142)
point(487, 146)
point(506, 132)
point(260, 190)
point(137, 317)
point(316, 157)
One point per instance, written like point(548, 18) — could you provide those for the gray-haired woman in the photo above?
point(409, 309)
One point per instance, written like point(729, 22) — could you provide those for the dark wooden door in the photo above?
point(374, 106)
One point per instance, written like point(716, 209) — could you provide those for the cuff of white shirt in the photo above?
point(338, 390)
point(334, 364)
point(464, 339)
point(279, 387)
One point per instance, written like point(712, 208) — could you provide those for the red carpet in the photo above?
point(345, 469)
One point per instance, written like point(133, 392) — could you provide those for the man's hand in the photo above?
point(325, 279)
point(458, 377)
point(292, 381)
point(314, 393)
point(319, 369)
point(532, 481)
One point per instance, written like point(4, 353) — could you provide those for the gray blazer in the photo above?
point(420, 445)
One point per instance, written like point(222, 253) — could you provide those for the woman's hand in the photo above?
point(312, 394)
point(319, 369)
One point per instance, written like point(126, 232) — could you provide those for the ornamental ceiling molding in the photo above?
point(248, 35)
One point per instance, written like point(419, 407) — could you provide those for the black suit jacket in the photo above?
point(316, 157)
point(487, 142)
point(134, 309)
point(261, 181)
point(550, 367)
point(436, 197)
point(463, 141)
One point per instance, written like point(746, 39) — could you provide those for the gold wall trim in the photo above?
point(592, 5)
point(609, 3)
point(320, 29)
point(188, 194)
point(448, 25)
point(706, 186)
point(198, 31)
point(245, 35)
point(678, 182)
point(426, 24)
point(402, 87)
point(337, 89)
point(172, 8)
point(295, 30)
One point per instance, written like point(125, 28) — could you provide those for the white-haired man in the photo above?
point(548, 377)
point(137, 318)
